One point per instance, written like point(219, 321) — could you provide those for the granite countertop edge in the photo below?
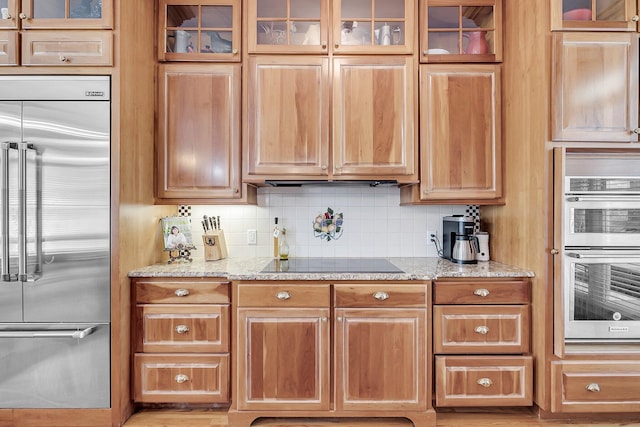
point(250, 269)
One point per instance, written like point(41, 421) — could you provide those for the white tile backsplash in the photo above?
point(375, 225)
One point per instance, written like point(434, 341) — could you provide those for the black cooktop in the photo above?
point(332, 265)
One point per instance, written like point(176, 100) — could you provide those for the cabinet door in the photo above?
point(287, 26)
point(283, 359)
point(598, 15)
point(199, 131)
point(67, 14)
point(380, 359)
point(461, 147)
point(206, 30)
point(8, 48)
point(9, 14)
point(373, 118)
point(595, 87)
point(288, 117)
point(461, 31)
point(373, 26)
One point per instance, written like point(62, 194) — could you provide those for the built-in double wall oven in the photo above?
point(600, 214)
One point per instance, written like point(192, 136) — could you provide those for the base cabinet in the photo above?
point(180, 341)
point(595, 386)
point(481, 339)
point(288, 355)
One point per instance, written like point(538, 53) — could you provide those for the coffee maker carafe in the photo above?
point(458, 241)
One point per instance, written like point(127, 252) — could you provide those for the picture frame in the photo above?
point(176, 232)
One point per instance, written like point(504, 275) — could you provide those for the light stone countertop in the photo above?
point(250, 269)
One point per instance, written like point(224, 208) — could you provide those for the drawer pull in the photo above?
point(182, 329)
point(593, 387)
point(181, 378)
point(283, 295)
point(381, 295)
point(485, 382)
point(482, 330)
point(482, 292)
point(181, 292)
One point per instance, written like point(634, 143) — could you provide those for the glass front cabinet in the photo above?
point(358, 26)
point(461, 31)
point(206, 30)
point(67, 14)
point(594, 15)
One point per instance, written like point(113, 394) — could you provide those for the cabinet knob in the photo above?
point(283, 295)
point(22, 15)
point(636, 131)
point(381, 295)
point(7, 16)
point(339, 318)
point(485, 382)
point(635, 18)
point(324, 44)
point(64, 58)
point(182, 329)
point(481, 330)
point(593, 387)
point(337, 45)
point(181, 378)
point(482, 292)
point(554, 252)
point(323, 167)
point(181, 292)
point(234, 51)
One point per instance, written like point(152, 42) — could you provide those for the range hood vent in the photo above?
point(300, 183)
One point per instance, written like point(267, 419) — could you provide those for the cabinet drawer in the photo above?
point(200, 378)
point(67, 48)
point(507, 292)
point(481, 329)
point(181, 292)
point(8, 48)
point(595, 386)
point(383, 295)
point(183, 328)
point(484, 381)
point(283, 295)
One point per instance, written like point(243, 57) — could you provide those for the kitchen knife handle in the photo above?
point(6, 277)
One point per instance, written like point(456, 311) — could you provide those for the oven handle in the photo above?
point(604, 254)
point(605, 198)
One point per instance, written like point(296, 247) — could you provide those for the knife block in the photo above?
point(215, 247)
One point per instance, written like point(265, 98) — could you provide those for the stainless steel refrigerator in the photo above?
point(55, 241)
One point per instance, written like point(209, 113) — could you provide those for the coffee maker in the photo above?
point(458, 229)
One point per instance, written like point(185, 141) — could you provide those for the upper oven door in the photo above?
point(602, 221)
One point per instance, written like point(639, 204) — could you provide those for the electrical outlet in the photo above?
point(432, 234)
point(252, 236)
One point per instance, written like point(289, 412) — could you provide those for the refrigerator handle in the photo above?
point(22, 212)
point(49, 333)
point(6, 146)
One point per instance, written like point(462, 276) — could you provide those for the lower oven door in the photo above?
point(602, 295)
point(605, 220)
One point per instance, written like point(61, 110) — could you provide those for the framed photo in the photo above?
point(177, 233)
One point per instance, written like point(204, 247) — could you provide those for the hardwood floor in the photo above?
point(513, 418)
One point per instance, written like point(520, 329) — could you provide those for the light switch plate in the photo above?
point(252, 236)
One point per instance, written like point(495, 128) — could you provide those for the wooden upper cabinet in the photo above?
point(287, 26)
point(8, 48)
point(358, 26)
point(199, 30)
point(66, 14)
point(288, 117)
point(9, 12)
point(199, 131)
point(595, 87)
point(594, 15)
point(373, 26)
point(461, 30)
point(460, 122)
point(374, 113)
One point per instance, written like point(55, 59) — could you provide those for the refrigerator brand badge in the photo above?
point(93, 93)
